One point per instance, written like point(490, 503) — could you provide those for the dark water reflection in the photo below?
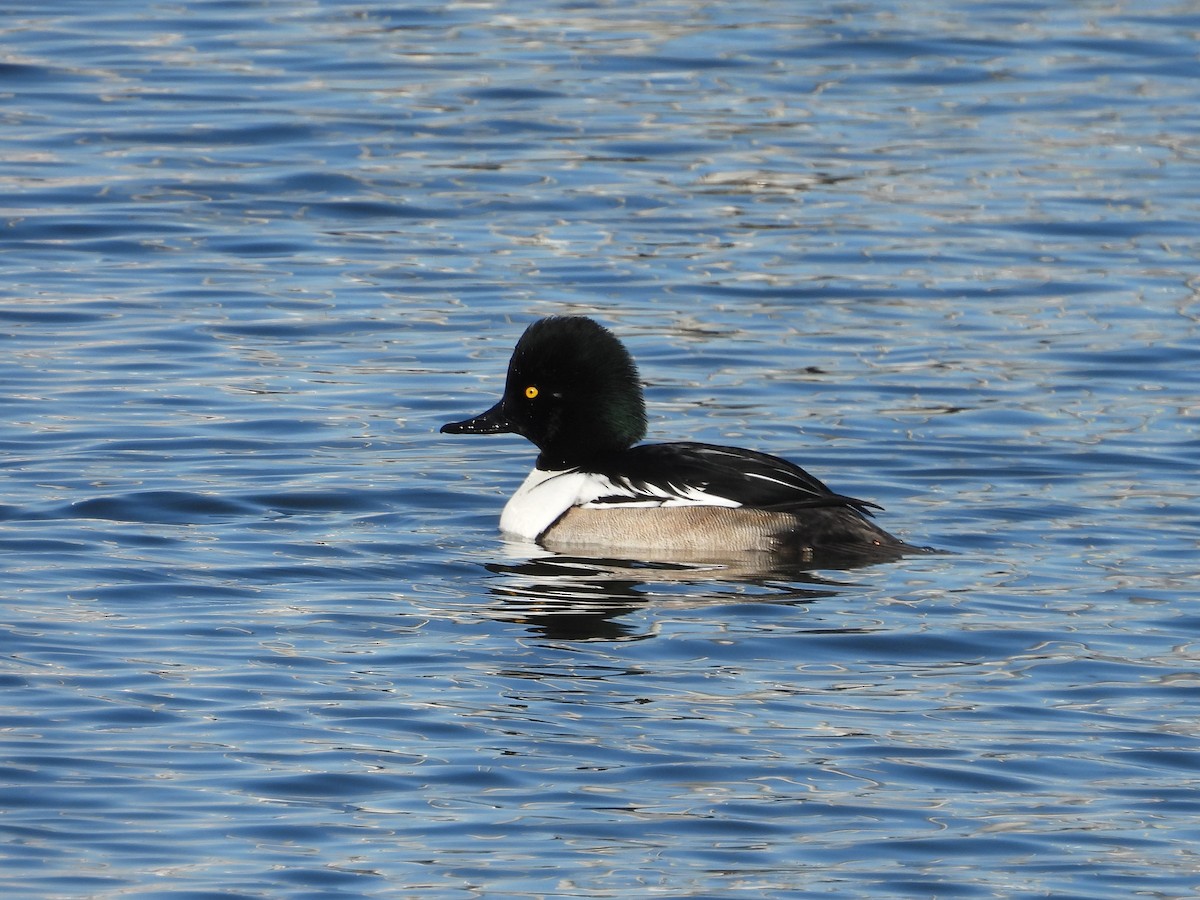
point(579, 598)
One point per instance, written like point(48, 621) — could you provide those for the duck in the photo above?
point(574, 391)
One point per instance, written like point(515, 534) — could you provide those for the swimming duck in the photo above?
point(573, 390)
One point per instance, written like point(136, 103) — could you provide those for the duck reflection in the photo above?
point(569, 597)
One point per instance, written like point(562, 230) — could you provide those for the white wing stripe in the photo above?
point(623, 494)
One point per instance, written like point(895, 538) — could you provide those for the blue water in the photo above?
point(260, 636)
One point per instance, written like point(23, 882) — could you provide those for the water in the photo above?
point(260, 636)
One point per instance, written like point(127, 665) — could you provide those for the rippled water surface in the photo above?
point(260, 635)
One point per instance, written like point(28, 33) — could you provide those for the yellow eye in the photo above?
point(531, 392)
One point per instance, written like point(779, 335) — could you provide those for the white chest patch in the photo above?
point(543, 498)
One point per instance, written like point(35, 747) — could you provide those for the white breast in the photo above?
point(543, 498)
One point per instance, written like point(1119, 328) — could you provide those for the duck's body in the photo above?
point(573, 390)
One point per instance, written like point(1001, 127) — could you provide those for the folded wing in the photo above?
point(688, 473)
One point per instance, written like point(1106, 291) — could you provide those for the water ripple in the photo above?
point(260, 636)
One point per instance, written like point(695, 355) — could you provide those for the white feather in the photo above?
point(545, 496)
point(655, 495)
point(542, 499)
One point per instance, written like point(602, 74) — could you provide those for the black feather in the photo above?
point(747, 477)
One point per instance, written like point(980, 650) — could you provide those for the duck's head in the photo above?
point(572, 390)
